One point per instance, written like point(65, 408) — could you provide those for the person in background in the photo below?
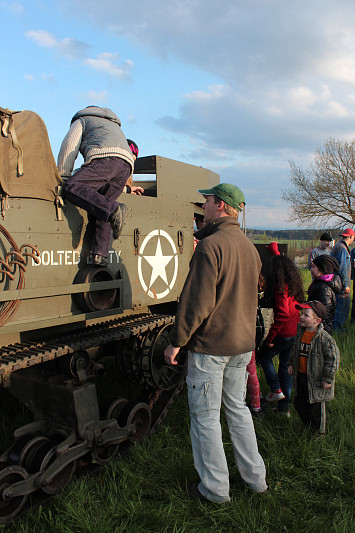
point(130, 188)
point(253, 388)
point(352, 259)
point(253, 385)
point(341, 253)
point(108, 163)
point(322, 248)
point(313, 362)
point(325, 285)
point(286, 287)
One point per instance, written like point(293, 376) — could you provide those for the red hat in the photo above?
point(348, 232)
point(273, 247)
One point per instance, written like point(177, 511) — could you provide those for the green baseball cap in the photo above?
point(227, 192)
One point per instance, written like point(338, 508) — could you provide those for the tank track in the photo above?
point(26, 354)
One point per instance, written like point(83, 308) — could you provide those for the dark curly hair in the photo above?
point(285, 273)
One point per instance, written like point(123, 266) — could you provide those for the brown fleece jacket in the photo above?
point(217, 310)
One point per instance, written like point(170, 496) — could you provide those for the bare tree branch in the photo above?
point(325, 192)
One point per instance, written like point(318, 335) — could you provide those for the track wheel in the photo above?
point(115, 408)
point(111, 409)
point(41, 457)
point(17, 447)
point(29, 448)
point(137, 413)
point(104, 454)
point(157, 373)
point(10, 507)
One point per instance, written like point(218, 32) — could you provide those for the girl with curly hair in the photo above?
point(286, 288)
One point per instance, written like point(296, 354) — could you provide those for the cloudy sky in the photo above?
point(240, 86)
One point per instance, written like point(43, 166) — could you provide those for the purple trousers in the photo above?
point(95, 188)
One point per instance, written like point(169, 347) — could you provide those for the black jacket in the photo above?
point(324, 291)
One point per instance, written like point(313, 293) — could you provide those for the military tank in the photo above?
point(62, 319)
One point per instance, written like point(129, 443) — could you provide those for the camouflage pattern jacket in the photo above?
point(322, 364)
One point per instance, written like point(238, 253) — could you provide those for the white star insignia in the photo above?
point(158, 262)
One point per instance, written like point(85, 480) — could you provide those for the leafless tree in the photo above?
point(324, 193)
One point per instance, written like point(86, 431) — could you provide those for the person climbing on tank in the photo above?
point(96, 133)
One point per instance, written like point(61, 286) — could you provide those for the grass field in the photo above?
point(311, 479)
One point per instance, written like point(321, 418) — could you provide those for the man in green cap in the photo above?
point(216, 320)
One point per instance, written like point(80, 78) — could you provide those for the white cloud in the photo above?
point(299, 118)
point(105, 63)
point(95, 96)
point(15, 7)
point(337, 110)
point(28, 77)
point(70, 48)
point(49, 77)
point(243, 42)
point(42, 38)
point(303, 98)
point(131, 119)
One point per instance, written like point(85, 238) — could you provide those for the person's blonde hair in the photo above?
point(231, 211)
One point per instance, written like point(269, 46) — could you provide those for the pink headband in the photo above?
point(134, 149)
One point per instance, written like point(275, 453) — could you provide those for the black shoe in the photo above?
point(257, 413)
point(117, 220)
point(97, 260)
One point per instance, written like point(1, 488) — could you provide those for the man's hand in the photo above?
point(170, 354)
point(347, 290)
point(290, 370)
point(137, 190)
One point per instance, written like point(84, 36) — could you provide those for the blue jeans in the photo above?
point(342, 312)
point(213, 380)
point(281, 379)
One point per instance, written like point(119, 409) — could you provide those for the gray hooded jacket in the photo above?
point(96, 133)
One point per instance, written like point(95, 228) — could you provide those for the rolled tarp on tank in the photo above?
point(27, 166)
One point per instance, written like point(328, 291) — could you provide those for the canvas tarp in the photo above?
point(27, 166)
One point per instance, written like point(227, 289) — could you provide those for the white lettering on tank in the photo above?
point(39, 261)
point(67, 260)
point(67, 257)
point(46, 261)
point(52, 260)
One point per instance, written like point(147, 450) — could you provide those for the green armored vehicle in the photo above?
point(61, 319)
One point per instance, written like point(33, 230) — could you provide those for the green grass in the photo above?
point(311, 480)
